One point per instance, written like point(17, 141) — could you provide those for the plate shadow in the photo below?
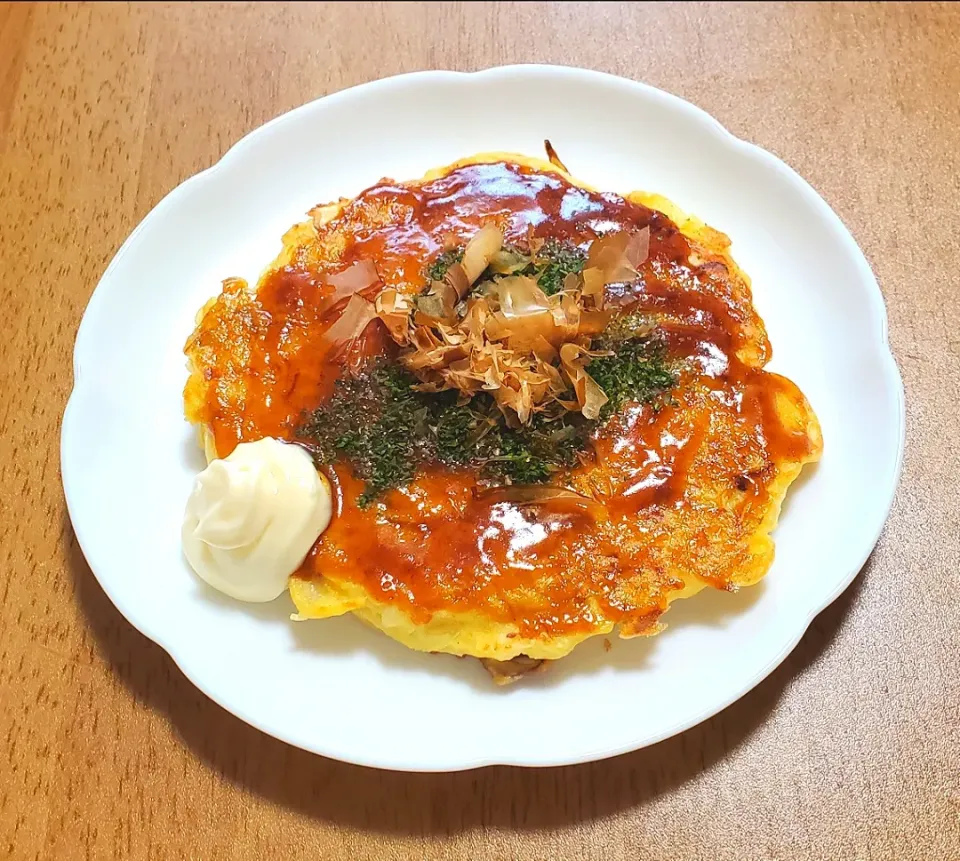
point(412, 803)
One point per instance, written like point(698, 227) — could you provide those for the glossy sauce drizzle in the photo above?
point(678, 489)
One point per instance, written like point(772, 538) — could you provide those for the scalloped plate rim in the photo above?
point(193, 184)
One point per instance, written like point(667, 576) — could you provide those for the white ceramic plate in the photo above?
point(346, 691)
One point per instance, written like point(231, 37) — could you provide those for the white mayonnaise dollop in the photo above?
point(252, 518)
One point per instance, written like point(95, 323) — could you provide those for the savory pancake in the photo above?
point(675, 491)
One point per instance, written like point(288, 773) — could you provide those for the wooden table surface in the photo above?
point(850, 750)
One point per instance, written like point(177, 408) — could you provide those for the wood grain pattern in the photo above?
point(851, 750)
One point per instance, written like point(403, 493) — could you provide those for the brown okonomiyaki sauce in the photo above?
point(549, 568)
